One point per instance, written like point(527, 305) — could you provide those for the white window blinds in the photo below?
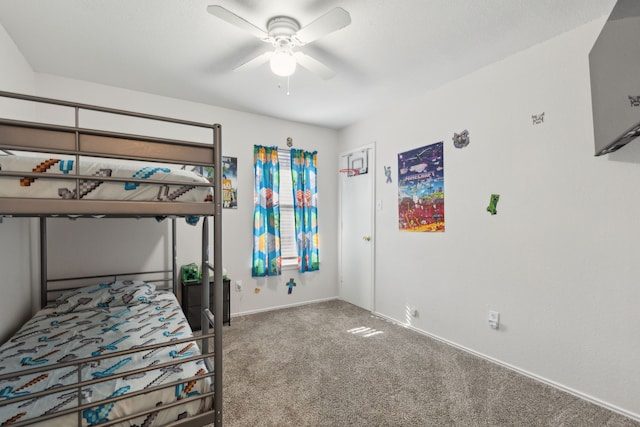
point(287, 218)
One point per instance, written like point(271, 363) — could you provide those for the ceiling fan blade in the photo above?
point(331, 21)
point(237, 21)
point(254, 62)
point(315, 66)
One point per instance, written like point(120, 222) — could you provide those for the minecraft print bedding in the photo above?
point(39, 187)
point(96, 321)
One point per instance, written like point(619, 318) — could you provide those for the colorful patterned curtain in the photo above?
point(304, 169)
point(266, 212)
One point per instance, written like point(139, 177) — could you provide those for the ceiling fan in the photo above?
point(284, 34)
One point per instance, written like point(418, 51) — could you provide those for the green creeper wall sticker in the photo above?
point(493, 203)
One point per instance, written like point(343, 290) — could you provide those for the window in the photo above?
point(285, 224)
point(288, 247)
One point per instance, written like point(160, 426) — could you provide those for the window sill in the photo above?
point(290, 267)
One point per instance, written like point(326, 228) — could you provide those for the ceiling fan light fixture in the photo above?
point(283, 63)
point(285, 33)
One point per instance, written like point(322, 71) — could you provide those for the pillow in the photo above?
point(105, 295)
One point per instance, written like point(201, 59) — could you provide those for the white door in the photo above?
point(356, 227)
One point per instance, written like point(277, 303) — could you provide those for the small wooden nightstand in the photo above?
point(191, 295)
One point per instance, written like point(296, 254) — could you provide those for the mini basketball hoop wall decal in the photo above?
point(350, 172)
point(357, 163)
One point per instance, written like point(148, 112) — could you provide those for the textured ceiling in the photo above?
point(391, 50)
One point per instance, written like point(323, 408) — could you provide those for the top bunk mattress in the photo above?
point(46, 186)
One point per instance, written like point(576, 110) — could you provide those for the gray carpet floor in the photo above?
point(317, 365)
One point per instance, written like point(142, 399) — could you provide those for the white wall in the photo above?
point(558, 261)
point(240, 131)
point(96, 246)
point(15, 262)
point(16, 74)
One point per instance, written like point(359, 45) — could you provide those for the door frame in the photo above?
point(371, 170)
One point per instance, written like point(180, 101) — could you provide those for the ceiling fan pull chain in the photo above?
point(288, 92)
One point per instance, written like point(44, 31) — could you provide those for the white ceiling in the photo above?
point(391, 50)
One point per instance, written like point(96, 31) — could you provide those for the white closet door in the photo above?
point(357, 241)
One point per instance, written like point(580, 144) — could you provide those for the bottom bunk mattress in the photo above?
point(94, 322)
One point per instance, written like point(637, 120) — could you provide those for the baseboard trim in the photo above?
point(280, 307)
point(526, 373)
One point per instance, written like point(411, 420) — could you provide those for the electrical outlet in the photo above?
point(494, 319)
point(238, 285)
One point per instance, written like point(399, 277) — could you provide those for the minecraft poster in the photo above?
point(229, 182)
point(421, 189)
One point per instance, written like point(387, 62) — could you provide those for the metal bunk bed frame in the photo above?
point(77, 141)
